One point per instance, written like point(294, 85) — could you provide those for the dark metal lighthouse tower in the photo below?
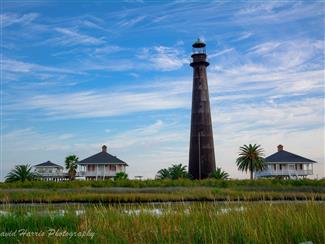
point(202, 161)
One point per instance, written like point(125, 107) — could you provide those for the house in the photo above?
point(50, 171)
point(284, 164)
point(101, 166)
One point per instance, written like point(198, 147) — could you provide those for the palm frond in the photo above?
point(21, 173)
point(219, 174)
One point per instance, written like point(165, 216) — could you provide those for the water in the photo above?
point(154, 209)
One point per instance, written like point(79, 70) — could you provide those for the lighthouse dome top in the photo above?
point(198, 44)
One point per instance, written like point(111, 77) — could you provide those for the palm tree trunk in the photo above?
point(251, 169)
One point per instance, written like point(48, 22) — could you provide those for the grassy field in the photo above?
point(169, 223)
point(131, 195)
point(272, 183)
point(161, 191)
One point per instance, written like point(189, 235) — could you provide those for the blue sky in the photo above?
point(78, 75)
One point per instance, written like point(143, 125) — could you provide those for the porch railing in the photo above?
point(269, 172)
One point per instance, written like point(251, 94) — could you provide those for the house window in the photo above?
point(274, 166)
point(301, 166)
point(112, 167)
point(91, 168)
point(280, 166)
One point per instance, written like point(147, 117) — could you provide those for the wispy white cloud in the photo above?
point(273, 57)
point(28, 139)
point(16, 66)
point(164, 58)
point(108, 65)
point(289, 116)
point(277, 12)
point(65, 136)
point(257, 8)
point(17, 72)
point(70, 37)
point(131, 22)
point(91, 22)
point(101, 104)
point(108, 49)
point(219, 53)
point(288, 55)
point(243, 36)
point(26, 77)
point(265, 48)
point(8, 19)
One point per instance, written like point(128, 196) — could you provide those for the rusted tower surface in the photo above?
point(201, 160)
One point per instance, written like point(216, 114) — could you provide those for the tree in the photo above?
point(174, 172)
point(163, 174)
point(250, 159)
point(21, 173)
point(120, 176)
point(219, 174)
point(71, 165)
point(177, 171)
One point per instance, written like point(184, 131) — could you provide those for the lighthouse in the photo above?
point(201, 156)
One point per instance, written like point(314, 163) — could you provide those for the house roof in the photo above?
point(48, 164)
point(283, 156)
point(102, 158)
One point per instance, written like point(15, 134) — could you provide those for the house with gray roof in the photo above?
point(101, 165)
point(50, 171)
point(283, 164)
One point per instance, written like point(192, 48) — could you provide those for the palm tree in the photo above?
point(174, 172)
point(71, 165)
point(219, 174)
point(250, 158)
point(120, 176)
point(177, 171)
point(163, 174)
point(21, 173)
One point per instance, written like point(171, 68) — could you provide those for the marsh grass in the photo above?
point(161, 190)
point(270, 183)
point(106, 195)
point(177, 223)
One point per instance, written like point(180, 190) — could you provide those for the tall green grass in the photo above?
point(178, 223)
point(164, 183)
point(163, 195)
point(109, 191)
